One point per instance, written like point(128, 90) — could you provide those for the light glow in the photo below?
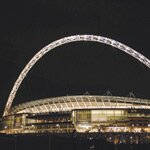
point(65, 40)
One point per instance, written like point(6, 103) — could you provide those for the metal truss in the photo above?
point(65, 40)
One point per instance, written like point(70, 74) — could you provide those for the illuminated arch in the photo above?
point(65, 40)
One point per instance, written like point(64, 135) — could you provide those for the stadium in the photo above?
point(107, 116)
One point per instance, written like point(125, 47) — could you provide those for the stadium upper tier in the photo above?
point(69, 103)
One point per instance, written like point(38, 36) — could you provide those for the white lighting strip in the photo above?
point(65, 40)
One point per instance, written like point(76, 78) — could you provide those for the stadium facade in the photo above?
point(109, 116)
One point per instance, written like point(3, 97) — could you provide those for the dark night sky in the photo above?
point(27, 26)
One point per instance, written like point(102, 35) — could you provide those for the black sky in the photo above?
point(27, 26)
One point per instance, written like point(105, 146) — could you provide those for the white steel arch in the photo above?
point(65, 40)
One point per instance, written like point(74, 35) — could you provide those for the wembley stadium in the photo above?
point(81, 113)
point(108, 116)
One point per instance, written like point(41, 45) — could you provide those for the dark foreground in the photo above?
point(62, 143)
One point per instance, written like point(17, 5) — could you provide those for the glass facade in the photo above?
point(111, 120)
point(97, 116)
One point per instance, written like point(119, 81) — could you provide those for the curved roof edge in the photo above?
point(68, 103)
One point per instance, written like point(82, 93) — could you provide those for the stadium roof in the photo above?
point(69, 103)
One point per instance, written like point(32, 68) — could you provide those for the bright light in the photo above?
point(65, 40)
